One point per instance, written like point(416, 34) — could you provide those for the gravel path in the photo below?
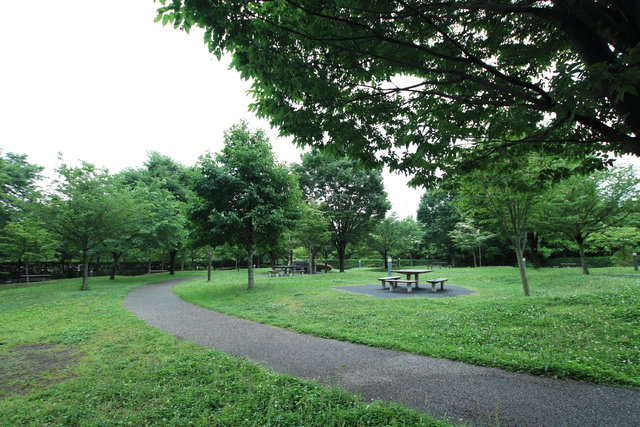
point(477, 395)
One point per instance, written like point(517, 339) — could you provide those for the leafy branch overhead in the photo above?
point(421, 85)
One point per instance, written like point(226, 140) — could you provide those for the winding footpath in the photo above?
point(463, 393)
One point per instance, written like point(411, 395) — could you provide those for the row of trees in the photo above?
point(242, 201)
point(239, 198)
point(528, 209)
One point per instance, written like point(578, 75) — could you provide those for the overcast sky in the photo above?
point(100, 82)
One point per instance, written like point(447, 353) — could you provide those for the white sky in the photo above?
point(101, 82)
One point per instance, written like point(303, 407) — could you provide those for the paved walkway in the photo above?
point(472, 394)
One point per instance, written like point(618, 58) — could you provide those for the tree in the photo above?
point(385, 238)
point(411, 233)
point(468, 237)
point(508, 198)
point(163, 174)
point(243, 196)
point(351, 197)
point(438, 215)
point(581, 206)
point(17, 185)
point(26, 240)
point(403, 82)
point(312, 231)
point(158, 224)
point(86, 208)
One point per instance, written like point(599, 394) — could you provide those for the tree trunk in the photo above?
point(85, 270)
point(583, 257)
point(172, 261)
point(209, 262)
point(250, 279)
point(114, 264)
point(26, 269)
point(312, 260)
point(533, 245)
point(523, 272)
point(341, 248)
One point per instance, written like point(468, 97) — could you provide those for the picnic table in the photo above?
point(35, 277)
point(285, 270)
point(409, 282)
point(568, 264)
point(438, 264)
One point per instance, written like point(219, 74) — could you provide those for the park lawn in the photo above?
point(573, 326)
point(74, 358)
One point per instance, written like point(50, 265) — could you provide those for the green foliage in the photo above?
point(312, 231)
point(580, 206)
point(112, 369)
point(404, 83)
point(17, 185)
point(572, 326)
point(26, 240)
point(86, 208)
point(351, 197)
point(243, 196)
point(438, 215)
point(468, 237)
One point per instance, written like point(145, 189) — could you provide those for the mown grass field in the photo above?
point(573, 326)
point(72, 358)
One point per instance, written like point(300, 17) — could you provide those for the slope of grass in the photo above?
point(573, 326)
point(72, 358)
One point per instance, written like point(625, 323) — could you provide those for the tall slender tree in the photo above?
point(508, 193)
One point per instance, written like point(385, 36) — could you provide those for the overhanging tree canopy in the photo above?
point(405, 81)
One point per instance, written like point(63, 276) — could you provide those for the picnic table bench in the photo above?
point(274, 273)
point(394, 280)
point(434, 282)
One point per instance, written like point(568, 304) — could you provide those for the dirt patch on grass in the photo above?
point(27, 367)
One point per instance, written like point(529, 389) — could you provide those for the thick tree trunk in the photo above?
point(583, 257)
point(172, 261)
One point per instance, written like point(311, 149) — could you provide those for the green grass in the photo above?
point(72, 358)
point(573, 326)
